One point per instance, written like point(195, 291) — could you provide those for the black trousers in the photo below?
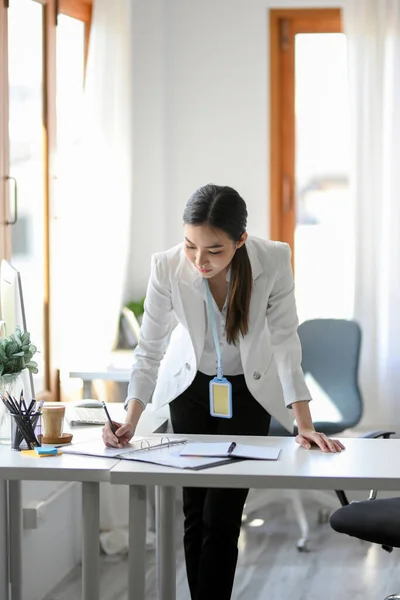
point(213, 516)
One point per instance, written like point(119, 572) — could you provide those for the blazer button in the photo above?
point(187, 365)
point(256, 375)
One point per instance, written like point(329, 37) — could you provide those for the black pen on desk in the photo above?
point(231, 448)
point(109, 418)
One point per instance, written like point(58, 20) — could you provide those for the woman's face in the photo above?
point(210, 250)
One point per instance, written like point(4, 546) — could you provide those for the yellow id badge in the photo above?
point(221, 398)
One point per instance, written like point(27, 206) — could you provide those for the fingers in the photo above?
point(338, 445)
point(124, 433)
point(303, 442)
point(109, 439)
point(123, 429)
point(330, 445)
point(322, 441)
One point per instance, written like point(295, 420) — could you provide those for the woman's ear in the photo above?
point(241, 240)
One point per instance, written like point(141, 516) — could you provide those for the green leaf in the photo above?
point(16, 352)
point(25, 338)
point(11, 348)
point(32, 363)
point(32, 367)
point(136, 306)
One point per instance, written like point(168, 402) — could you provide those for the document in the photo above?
point(230, 450)
point(177, 453)
point(171, 457)
point(137, 444)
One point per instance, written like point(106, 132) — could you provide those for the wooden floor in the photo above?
point(271, 568)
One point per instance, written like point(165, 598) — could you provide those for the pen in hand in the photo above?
point(109, 418)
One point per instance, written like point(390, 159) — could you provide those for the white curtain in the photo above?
point(92, 232)
point(95, 187)
point(373, 32)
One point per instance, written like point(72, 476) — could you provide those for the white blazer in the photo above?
point(166, 363)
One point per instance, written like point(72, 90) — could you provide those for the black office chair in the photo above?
point(376, 521)
point(330, 354)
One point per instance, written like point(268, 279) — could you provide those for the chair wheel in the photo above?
point(323, 516)
point(302, 545)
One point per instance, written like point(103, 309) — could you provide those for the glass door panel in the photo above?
point(26, 150)
point(324, 221)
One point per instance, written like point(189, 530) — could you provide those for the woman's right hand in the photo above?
point(124, 432)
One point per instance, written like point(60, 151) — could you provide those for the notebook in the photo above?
point(170, 456)
point(230, 450)
point(155, 450)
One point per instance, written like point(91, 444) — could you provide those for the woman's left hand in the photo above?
point(309, 436)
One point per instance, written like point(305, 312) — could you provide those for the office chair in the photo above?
point(330, 356)
point(376, 521)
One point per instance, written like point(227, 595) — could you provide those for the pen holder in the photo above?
point(23, 428)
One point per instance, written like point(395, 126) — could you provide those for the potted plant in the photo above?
point(16, 353)
point(137, 307)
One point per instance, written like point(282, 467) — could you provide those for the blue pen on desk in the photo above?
point(109, 418)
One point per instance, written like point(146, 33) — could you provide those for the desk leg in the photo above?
point(15, 531)
point(90, 541)
point(165, 545)
point(4, 540)
point(87, 388)
point(137, 543)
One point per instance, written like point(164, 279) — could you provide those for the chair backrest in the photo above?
point(331, 354)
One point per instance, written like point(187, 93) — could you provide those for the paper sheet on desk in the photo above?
point(136, 445)
point(167, 456)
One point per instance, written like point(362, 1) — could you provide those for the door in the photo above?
point(24, 228)
point(310, 141)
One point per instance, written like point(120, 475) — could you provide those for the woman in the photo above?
point(232, 298)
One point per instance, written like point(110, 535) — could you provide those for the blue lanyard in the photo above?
point(211, 316)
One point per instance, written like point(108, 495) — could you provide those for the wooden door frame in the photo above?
point(51, 376)
point(283, 25)
point(81, 10)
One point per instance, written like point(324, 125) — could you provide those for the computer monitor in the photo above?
point(13, 312)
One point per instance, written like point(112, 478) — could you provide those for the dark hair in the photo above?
point(221, 207)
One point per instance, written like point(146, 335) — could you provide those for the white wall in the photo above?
point(201, 112)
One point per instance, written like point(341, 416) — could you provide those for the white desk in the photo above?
point(365, 464)
point(90, 471)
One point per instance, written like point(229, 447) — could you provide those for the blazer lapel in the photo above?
point(258, 283)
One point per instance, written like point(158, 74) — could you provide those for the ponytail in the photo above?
point(237, 317)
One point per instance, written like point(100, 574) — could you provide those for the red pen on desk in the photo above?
point(109, 418)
